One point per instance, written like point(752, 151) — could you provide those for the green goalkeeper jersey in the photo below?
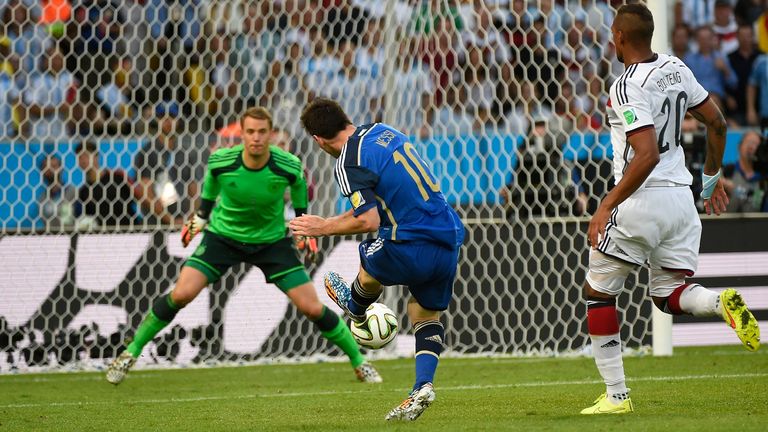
point(250, 206)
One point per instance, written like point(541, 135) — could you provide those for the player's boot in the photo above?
point(741, 320)
point(120, 367)
point(415, 404)
point(603, 405)
point(367, 373)
point(338, 290)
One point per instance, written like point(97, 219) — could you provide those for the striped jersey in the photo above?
point(653, 94)
point(379, 168)
point(251, 203)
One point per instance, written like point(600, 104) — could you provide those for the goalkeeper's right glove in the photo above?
point(193, 226)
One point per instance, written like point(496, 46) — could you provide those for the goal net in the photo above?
point(110, 110)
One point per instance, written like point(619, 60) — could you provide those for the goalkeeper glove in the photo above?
point(193, 226)
point(308, 245)
point(708, 183)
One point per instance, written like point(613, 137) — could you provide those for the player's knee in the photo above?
point(417, 313)
point(663, 284)
point(310, 308)
point(191, 282)
point(606, 276)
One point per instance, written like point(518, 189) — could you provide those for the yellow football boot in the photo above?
point(741, 320)
point(603, 405)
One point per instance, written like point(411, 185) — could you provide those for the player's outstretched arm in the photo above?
point(713, 191)
point(646, 157)
point(347, 223)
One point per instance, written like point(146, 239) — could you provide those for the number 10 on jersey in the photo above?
point(410, 160)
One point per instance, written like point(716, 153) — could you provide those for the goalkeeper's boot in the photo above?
point(415, 404)
point(741, 320)
point(338, 290)
point(603, 405)
point(120, 367)
point(367, 373)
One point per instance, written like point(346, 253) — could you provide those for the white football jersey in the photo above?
point(653, 94)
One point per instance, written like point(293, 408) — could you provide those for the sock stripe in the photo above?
point(673, 301)
point(427, 352)
point(357, 287)
point(421, 325)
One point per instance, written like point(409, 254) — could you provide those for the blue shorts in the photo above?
point(428, 269)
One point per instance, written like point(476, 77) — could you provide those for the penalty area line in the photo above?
point(345, 392)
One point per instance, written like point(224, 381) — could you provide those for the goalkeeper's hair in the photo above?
point(258, 113)
point(324, 118)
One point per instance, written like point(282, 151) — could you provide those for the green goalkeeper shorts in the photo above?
point(279, 261)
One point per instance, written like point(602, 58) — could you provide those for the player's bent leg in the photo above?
point(429, 335)
point(605, 280)
point(333, 328)
point(353, 299)
point(191, 281)
point(672, 295)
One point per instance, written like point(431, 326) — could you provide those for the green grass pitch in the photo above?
point(698, 389)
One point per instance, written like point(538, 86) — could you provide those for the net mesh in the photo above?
point(109, 111)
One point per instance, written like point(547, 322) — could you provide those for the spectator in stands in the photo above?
point(114, 102)
point(344, 22)
point(9, 93)
point(57, 199)
point(49, 100)
point(695, 13)
point(725, 27)
point(411, 95)
point(580, 53)
point(742, 61)
point(758, 79)
point(542, 184)
point(711, 67)
point(480, 87)
point(743, 183)
point(681, 41)
point(29, 41)
point(599, 17)
point(440, 54)
point(555, 18)
point(285, 91)
point(106, 197)
point(168, 173)
point(748, 11)
point(450, 117)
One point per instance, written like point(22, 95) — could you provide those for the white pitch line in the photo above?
point(327, 393)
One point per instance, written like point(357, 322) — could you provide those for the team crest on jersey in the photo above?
point(356, 199)
point(630, 116)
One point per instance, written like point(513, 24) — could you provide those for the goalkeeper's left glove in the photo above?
point(308, 245)
point(194, 225)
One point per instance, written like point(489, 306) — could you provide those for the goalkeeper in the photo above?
point(247, 224)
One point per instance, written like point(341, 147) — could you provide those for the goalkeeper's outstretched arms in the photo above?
point(713, 191)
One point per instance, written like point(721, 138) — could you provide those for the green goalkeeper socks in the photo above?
point(342, 338)
point(162, 313)
point(145, 333)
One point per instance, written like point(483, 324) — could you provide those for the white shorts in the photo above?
point(658, 225)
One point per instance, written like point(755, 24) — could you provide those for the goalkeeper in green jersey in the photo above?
point(242, 213)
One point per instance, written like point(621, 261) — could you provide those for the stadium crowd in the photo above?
point(84, 70)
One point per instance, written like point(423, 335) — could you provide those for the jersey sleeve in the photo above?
point(356, 177)
point(299, 193)
point(755, 76)
point(211, 187)
point(633, 106)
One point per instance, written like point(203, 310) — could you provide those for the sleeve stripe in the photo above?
point(360, 142)
point(341, 175)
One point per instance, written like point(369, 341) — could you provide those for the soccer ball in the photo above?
point(379, 328)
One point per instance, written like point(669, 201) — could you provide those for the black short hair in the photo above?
point(640, 27)
point(88, 146)
point(324, 118)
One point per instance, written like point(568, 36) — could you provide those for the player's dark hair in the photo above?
point(324, 118)
point(88, 146)
point(258, 113)
point(640, 27)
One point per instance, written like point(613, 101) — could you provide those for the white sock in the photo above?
point(607, 353)
point(699, 301)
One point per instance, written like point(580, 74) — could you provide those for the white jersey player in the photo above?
point(650, 216)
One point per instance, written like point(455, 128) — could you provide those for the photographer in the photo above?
point(744, 180)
